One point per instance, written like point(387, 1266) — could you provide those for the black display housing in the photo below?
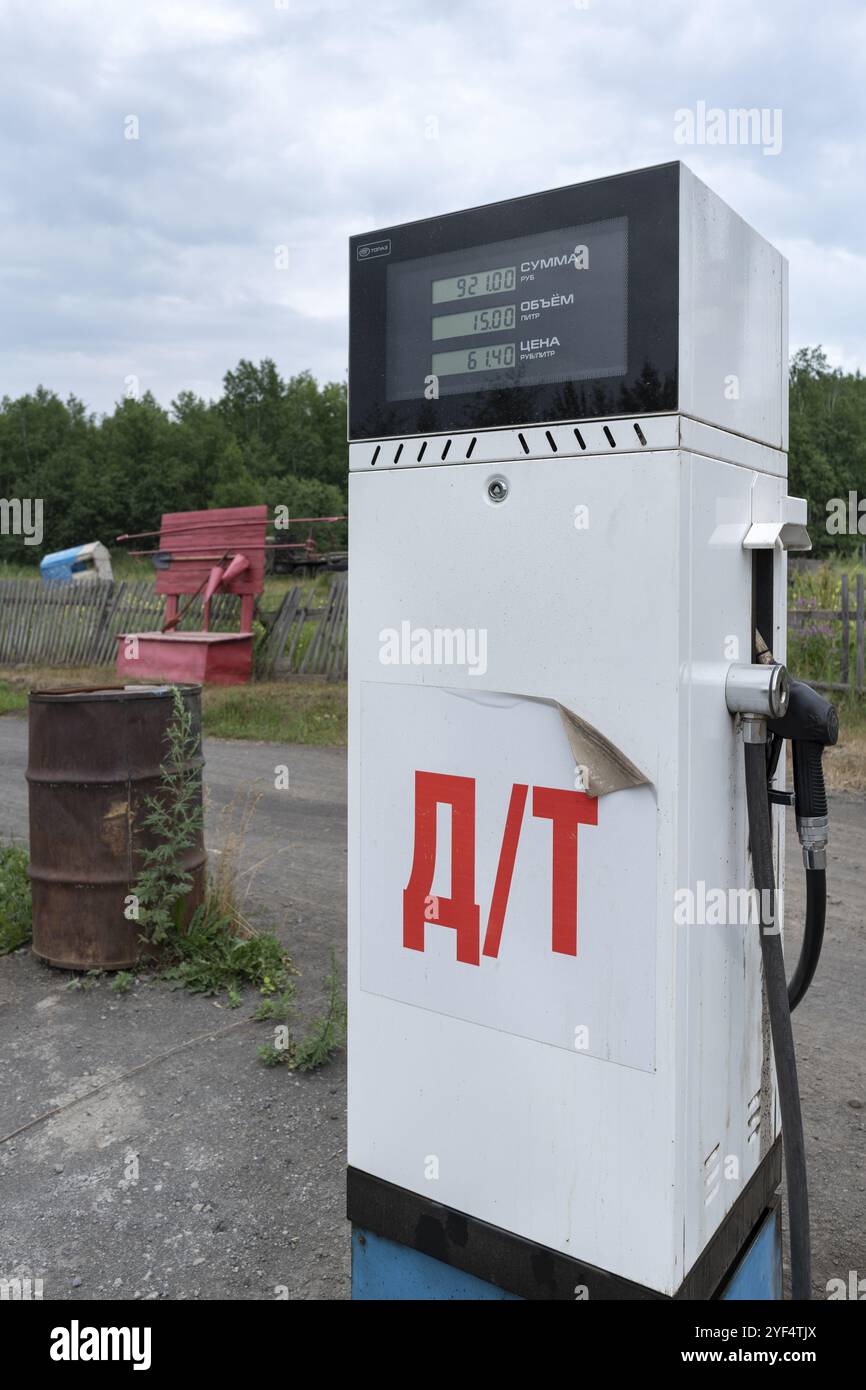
point(649, 201)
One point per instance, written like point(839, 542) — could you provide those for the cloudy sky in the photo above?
point(270, 124)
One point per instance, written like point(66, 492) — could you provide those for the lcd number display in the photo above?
point(537, 309)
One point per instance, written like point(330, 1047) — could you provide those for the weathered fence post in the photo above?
point(843, 664)
point(860, 634)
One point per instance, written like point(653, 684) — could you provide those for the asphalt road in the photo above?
point(206, 1175)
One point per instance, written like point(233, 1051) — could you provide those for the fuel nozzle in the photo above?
point(811, 723)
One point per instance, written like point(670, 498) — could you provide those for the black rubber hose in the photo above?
point(776, 985)
point(810, 799)
point(813, 936)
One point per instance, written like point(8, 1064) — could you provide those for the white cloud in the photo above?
point(822, 275)
point(263, 126)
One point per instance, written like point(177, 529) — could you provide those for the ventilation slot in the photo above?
point(471, 447)
point(753, 1118)
point(609, 437)
point(447, 447)
point(551, 441)
point(422, 451)
point(523, 444)
point(580, 439)
point(398, 453)
point(640, 434)
point(712, 1175)
point(376, 455)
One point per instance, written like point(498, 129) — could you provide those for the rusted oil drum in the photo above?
point(95, 755)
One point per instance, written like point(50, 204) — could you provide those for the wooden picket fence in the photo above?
point(77, 625)
point(852, 617)
point(308, 639)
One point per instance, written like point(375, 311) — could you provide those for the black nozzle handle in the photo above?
point(809, 718)
point(811, 723)
point(810, 795)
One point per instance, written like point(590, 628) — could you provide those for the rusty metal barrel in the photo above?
point(95, 757)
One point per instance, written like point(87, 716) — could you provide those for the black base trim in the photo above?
point(533, 1271)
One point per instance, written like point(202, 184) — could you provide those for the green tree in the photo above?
point(827, 412)
point(234, 485)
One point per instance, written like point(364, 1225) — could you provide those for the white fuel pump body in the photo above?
point(598, 1082)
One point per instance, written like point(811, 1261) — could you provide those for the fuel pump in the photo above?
point(571, 1068)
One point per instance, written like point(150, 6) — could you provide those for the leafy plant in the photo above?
point(122, 982)
point(328, 1032)
point(209, 956)
point(218, 950)
point(85, 982)
point(174, 818)
point(271, 1056)
point(278, 1007)
point(326, 1035)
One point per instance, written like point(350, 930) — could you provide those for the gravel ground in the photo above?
point(204, 1174)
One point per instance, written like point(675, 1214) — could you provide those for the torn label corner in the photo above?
point(607, 767)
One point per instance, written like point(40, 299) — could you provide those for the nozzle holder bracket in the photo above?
point(759, 690)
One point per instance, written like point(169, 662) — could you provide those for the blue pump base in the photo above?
point(384, 1270)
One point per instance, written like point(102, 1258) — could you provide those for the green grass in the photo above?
point(11, 699)
point(290, 711)
point(124, 566)
point(295, 711)
point(15, 912)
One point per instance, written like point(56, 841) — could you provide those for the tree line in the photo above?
point(827, 459)
point(266, 439)
point(283, 442)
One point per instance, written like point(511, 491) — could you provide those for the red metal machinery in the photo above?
point(291, 556)
point(209, 552)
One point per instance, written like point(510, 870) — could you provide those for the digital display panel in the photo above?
point(551, 307)
point(547, 307)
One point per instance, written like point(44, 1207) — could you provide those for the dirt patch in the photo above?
point(845, 765)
